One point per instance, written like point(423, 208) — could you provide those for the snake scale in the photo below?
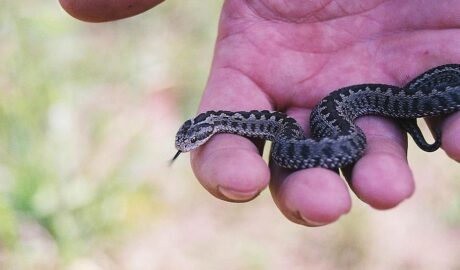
point(336, 141)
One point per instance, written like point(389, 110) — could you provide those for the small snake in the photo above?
point(336, 141)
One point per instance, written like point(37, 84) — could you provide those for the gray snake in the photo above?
point(336, 141)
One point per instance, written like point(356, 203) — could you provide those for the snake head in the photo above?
point(194, 133)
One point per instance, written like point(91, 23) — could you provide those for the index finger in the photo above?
point(229, 166)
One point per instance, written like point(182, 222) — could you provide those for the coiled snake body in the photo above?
point(336, 141)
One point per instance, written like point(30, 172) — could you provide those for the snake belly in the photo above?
point(336, 141)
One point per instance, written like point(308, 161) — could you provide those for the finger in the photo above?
point(229, 166)
point(311, 197)
point(106, 10)
point(382, 177)
point(450, 127)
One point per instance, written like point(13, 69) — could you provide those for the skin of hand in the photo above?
point(288, 55)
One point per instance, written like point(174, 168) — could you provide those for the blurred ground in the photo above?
point(88, 114)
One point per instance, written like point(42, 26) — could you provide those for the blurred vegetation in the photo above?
point(62, 84)
point(87, 118)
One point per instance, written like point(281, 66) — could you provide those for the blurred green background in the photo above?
point(88, 114)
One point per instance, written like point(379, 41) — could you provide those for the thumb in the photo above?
point(106, 10)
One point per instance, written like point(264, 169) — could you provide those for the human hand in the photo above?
point(287, 56)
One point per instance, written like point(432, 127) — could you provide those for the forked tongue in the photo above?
point(174, 158)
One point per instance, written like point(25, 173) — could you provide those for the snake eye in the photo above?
point(193, 139)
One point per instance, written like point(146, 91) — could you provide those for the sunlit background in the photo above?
point(88, 114)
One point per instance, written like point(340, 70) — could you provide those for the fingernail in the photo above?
point(312, 223)
point(237, 195)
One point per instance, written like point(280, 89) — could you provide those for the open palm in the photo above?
point(286, 56)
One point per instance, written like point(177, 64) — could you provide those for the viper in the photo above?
point(336, 141)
